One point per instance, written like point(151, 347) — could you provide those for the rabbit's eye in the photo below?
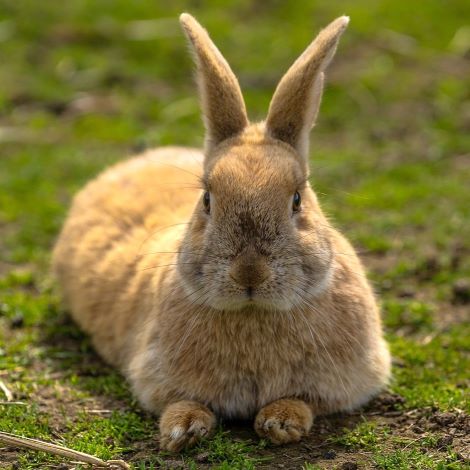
point(296, 202)
point(206, 200)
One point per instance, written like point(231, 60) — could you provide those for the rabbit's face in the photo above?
point(257, 237)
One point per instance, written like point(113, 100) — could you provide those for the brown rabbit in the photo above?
point(236, 300)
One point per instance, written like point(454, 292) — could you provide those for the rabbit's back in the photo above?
point(122, 226)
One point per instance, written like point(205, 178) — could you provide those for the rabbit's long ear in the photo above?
point(295, 103)
point(222, 101)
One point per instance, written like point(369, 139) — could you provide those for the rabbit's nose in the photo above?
point(250, 269)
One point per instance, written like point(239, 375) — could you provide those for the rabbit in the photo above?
point(213, 280)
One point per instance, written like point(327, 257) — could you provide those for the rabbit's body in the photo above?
point(242, 301)
point(117, 261)
point(107, 256)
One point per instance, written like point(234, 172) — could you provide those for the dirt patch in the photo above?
point(417, 284)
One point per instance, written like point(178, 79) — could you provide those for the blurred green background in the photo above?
point(84, 84)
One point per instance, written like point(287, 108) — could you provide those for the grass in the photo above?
point(424, 452)
point(83, 84)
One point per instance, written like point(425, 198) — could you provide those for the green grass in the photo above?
point(83, 84)
point(386, 451)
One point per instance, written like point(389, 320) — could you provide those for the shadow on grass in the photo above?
point(72, 356)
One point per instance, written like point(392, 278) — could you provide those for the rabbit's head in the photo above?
point(257, 237)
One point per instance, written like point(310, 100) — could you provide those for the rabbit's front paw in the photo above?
point(284, 421)
point(183, 423)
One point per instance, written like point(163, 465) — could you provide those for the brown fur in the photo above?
point(284, 421)
point(252, 308)
point(184, 423)
point(222, 100)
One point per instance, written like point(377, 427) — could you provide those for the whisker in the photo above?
point(170, 264)
point(318, 338)
point(198, 177)
point(320, 317)
point(196, 253)
point(153, 233)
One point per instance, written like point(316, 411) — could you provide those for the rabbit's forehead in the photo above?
point(250, 170)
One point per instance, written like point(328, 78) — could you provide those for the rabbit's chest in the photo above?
point(238, 375)
point(244, 393)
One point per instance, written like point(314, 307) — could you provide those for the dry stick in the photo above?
point(42, 446)
point(6, 391)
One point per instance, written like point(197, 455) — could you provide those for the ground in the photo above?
point(83, 84)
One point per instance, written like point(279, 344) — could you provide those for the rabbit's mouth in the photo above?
point(250, 300)
point(275, 294)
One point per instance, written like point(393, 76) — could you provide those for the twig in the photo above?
point(6, 391)
point(21, 403)
point(99, 412)
point(42, 446)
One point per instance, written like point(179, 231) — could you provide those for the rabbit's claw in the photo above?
point(284, 421)
point(183, 424)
